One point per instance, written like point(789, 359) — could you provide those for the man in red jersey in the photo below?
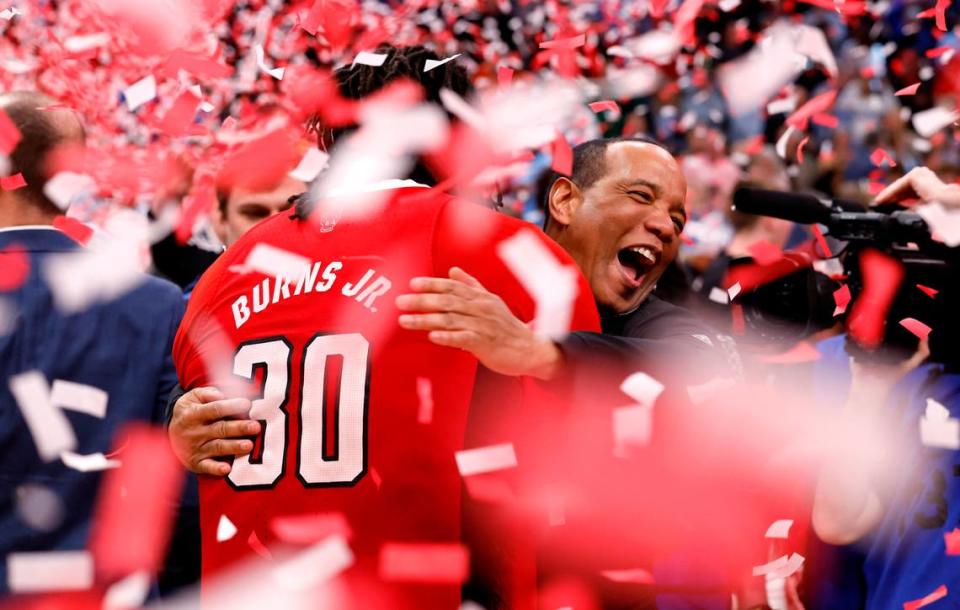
point(336, 380)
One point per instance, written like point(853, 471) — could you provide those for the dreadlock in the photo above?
point(358, 81)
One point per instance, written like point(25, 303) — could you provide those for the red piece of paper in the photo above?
point(254, 543)
point(939, 593)
point(178, 119)
point(765, 252)
point(565, 43)
point(604, 105)
point(562, 156)
point(937, 51)
point(940, 14)
point(951, 540)
point(76, 230)
point(136, 502)
point(14, 267)
point(427, 562)
point(818, 105)
point(12, 183)
point(827, 120)
point(821, 241)
point(9, 134)
point(911, 90)
point(504, 76)
point(882, 275)
point(930, 292)
point(918, 328)
point(878, 156)
point(841, 296)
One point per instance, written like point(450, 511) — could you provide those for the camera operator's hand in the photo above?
point(921, 183)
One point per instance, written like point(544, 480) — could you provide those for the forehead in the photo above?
point(631, 161)
point(276, 196)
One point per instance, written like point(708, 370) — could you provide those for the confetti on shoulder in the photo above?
point(436, 63)
point(370, 59)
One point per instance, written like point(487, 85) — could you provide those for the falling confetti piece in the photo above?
point(733, 291)
point(15, 268)
point(879, 156)
point(406, 562)
point(315, 565)
point(131, 592)
point(951, 540)
point(50, 428)
point(841, 296)
point(425, 400)
point(430, 64)
point(12, 183)
point(779, 529)
point(928, 122)
point(254, 543)
point(49, 571)
point(918, 328)
point(486, 459)
point(275, 262)
point(636, 576)
point(93, 462)
point(225, 529)
point(937, 428)
point(911, 90)
point(9, 13)
point(310, 166)
point(140, 92)
point(939, 593)
point(311, 528)
point(565, 43)
point(882, 275)
point(370, 59)
point(930, 292)
point(604, 105)
point(562, 156)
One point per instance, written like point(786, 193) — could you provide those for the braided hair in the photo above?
point(358, 81)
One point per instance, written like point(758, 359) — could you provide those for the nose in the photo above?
point(660, 224)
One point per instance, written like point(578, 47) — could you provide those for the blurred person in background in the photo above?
point(118, 348)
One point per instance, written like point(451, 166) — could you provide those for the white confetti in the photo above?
point(783, 105)
point(315, 565)
point(486, 459)
point(9, 13)
point(553, 286)
point(131, 592)
point(310, 165)
point(225, 529)
point(276, 262)
point(780, 567)
point(632, 426)
point(276, 73)
point(79, 397)
point(140, 92)
point(79, 44)
point(937, 428)
point(642, 388)
point(733, 291)
point(49, 571)
point(64, 187)
point(943, 222)
point(370, 59)
point(207, 107)
point(929, 122)
point(718, 295)
point(779, 529)
point(459, 108)
point(430, 64)
point(49, 427)
point(80, 279)
point(93, 462)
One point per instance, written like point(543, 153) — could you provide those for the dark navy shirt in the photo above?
point(121, 347)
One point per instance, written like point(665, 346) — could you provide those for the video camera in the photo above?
point(851, 230)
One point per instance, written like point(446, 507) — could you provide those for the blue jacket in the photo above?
point(121, 347)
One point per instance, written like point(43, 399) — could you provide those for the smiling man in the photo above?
point(619, 215)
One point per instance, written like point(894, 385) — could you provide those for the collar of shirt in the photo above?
point(37, 238)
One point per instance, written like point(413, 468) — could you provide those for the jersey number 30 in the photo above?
point(348, 463)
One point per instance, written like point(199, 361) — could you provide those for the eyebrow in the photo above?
point(656, 191)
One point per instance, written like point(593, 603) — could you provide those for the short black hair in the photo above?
point(357, 81)
point(589, 165)
point(40, 134)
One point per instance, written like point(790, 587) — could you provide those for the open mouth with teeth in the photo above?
point(636, 262)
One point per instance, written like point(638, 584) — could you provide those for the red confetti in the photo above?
point(446, 563)
point(841, 296)
point(822, 242)
point(311, 528)
point(254, 543)
point(12, 183)
point(562, 156)
point(14, 267)
point(930, 292)
point(76, 230)
point(918, 328)
point(879, 156)
point(820, 104)
point(504, 76)
point(179, 118)
point(9, 134)
point(941, 20)
point(939, 593)
point(765, 252)
point(938, 51)
point(139, 496)
point(565, 43)
point(799, 353)
point(604, 105)
point(882, 275)
point(952, 541)
point(825, 120)
point(911, 90)
point(930, 12)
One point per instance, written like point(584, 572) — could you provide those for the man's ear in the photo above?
point(563, 200)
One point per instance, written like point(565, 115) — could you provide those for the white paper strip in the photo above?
point(310, 165)
point(779, 529)
point(79, 397)
point(140, 92)
point(131, 592)
point(370, 59)
point(276, 262)
point(486, 459)
point(49, 571)
point(93, 462)
point(937, 428)
point(49, 427)
point(430, 64)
